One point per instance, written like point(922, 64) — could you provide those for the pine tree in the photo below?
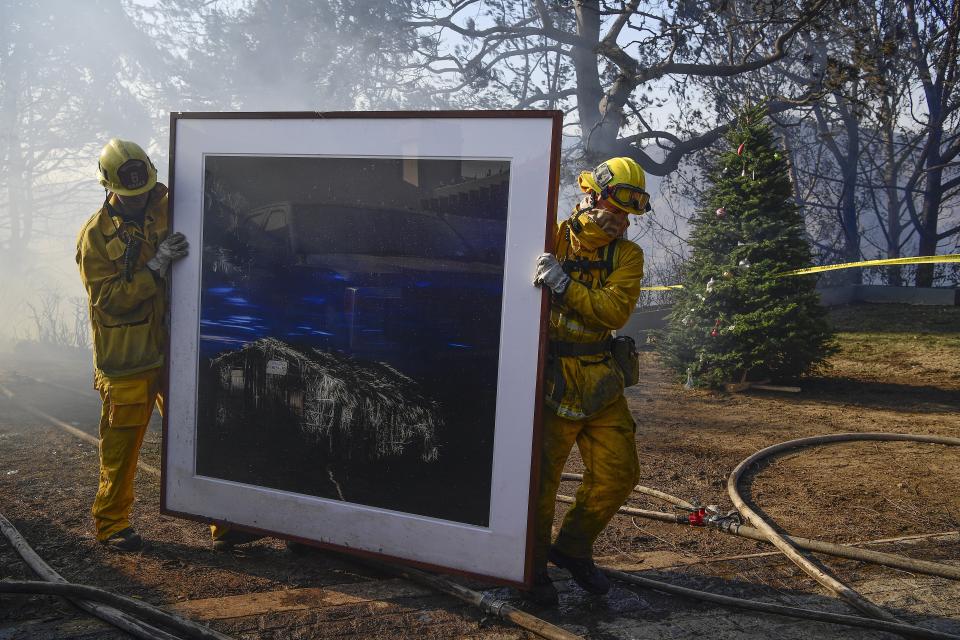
point(735, 318)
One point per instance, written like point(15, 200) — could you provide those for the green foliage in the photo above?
point(735, 319)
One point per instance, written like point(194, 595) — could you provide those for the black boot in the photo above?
point(582, 570)
point(126, 540)
point(542, 593)
point(232, 538)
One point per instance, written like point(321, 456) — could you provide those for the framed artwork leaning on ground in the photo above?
point(355, 337)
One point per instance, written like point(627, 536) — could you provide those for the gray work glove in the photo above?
point(173, 248)
point(550, 273)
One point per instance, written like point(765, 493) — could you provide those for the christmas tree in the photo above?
point(736, 318)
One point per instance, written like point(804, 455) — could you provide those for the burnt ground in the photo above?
point(897, 371)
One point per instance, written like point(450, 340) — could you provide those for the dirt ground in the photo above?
point(897, 371)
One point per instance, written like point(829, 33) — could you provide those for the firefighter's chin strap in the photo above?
point(588, 202)
point(121, 214)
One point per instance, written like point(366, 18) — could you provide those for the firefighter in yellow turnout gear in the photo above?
point(594, 277)
point(124, 252)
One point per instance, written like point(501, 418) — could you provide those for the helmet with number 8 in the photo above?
point(125, 169)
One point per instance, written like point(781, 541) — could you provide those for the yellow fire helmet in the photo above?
point(125, 169)
point(621, 181)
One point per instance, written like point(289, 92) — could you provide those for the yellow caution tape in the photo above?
point(662, 287)
point(950, 257)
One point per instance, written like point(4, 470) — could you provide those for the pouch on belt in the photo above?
point(625, 354)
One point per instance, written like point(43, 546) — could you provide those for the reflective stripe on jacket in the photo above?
point(127, 316)
point(597, 302)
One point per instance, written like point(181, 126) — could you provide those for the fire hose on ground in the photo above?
point(700, 516)
point(907, 630)
point(120, 610)
point(86, 593)
point(124, 613)
point(484, 602)
point(136, 617)
point(781, 543)
point(788, 545)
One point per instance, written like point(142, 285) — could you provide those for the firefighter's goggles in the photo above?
point(629, 196)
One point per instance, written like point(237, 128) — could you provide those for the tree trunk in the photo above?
point(894, 224)
point(932, 198)
point(929, 215)
point(938, 89)
point(849, 219)
point(11, 153)
point(589, 89)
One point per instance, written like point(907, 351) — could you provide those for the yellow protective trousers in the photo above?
point(127, 406)
point(607, 445)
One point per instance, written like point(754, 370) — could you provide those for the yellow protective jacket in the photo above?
point(598, 301)
point(127, 316)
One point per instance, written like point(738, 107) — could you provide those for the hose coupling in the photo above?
point(720, 520)
point(697, 518)
point(492, 604)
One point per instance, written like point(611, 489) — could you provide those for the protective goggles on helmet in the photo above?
point(627, 195)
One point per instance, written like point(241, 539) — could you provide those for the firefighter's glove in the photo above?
point(551, 274)
point(173, 248)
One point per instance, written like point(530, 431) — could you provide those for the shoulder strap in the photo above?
point(608, 259)
point(605, 263)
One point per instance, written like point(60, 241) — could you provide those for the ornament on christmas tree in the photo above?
point(710, 285)
point(689, 383)
point(716, 329)
point(740, 148)
point(743, 173)
point(722, 211)
point(744, 264)
point(727, 275)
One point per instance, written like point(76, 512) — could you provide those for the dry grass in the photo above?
point(898, 342)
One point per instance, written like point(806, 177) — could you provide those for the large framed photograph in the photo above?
point(355, 339)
